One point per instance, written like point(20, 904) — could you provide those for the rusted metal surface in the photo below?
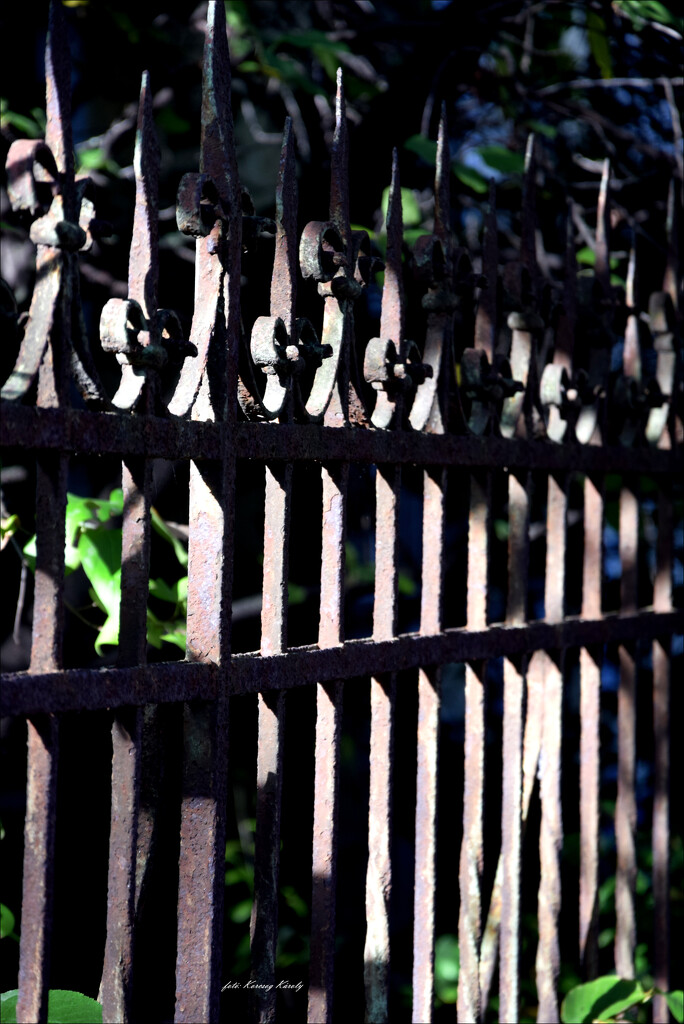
point(591, 660)
point(383, 688)
point(471, 860)
point(324, 861)
point(625, 806)
point(117, 972)
point(662, 601)
point(201, 863)
point(535, 394)
point(264, 924)
point(551, 829)
point(376, 955)
point(511, 790)
point(38, 878)
point(426, 818)
point(429, 679)
point(61, 429)
point(301, 666)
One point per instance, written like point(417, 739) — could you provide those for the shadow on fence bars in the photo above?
point(511, 400)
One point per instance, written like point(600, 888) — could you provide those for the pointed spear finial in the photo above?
point(143, 268)
point(58, 134)
point(442, 190)
point(392, 316)
point(631, 353)
point(284, 279)
point(565, 335)
point(529, 211)
point(671, 276)
point(217, 146)
point(486, 319)
point(602, 265)
point(339, 176)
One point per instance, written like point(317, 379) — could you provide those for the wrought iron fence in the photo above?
point(508, 394)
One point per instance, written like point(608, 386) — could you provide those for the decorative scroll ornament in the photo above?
point(143, 337)
point(41, 180)
point(285, 348)
point(209, 207)
point(433, 263)
point(339, 260)
point(486, 379)
point(392, 365)
point(496, 358)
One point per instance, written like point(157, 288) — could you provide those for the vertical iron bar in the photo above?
point(426, 814)
point(264, 924)
point(48, 616)
point(551, 827)
point(211, 396)
point(117, 972)
point(662, 602)
point(511, 811)
point(126, 746)
point(39, 855)
point(201, 864)
point(323, 899)
point(129, 845)
point(590, 711)
point(471, 860)
point(379, 871)
point(328, 721)
point(625, 807)
point(434, 496)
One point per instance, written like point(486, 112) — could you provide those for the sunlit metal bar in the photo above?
point(379, 872)
point(662, 649)
point(625, 807)
point(471, 861)
point(264, 926)
point(514, 694)
point(551, 828)
point(328, 722)
point(591, 659)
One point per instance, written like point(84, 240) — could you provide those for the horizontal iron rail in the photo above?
point(91, 433)
point(172, 682)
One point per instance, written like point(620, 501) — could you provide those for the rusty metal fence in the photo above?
point(504, 395)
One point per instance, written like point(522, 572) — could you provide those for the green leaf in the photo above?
point(640, 11)
point(410, 210)
point(241, 912)
point(311, 39)
point(502, 159)
point(100, 552)
point(540, 128)
point(447, 967)
point(8, 527)
point(675, 1001)
point(174, 594)
point(177, 637)
point(64, 1007)
point(447, 958)
point(6, 921)
point(602, 998)
point(598, 43)
point(29, 552)
point(294, 901)
point(162, 529)
point(470, 177)
point(426, 149)
point(21, 123)
point(296, 594)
